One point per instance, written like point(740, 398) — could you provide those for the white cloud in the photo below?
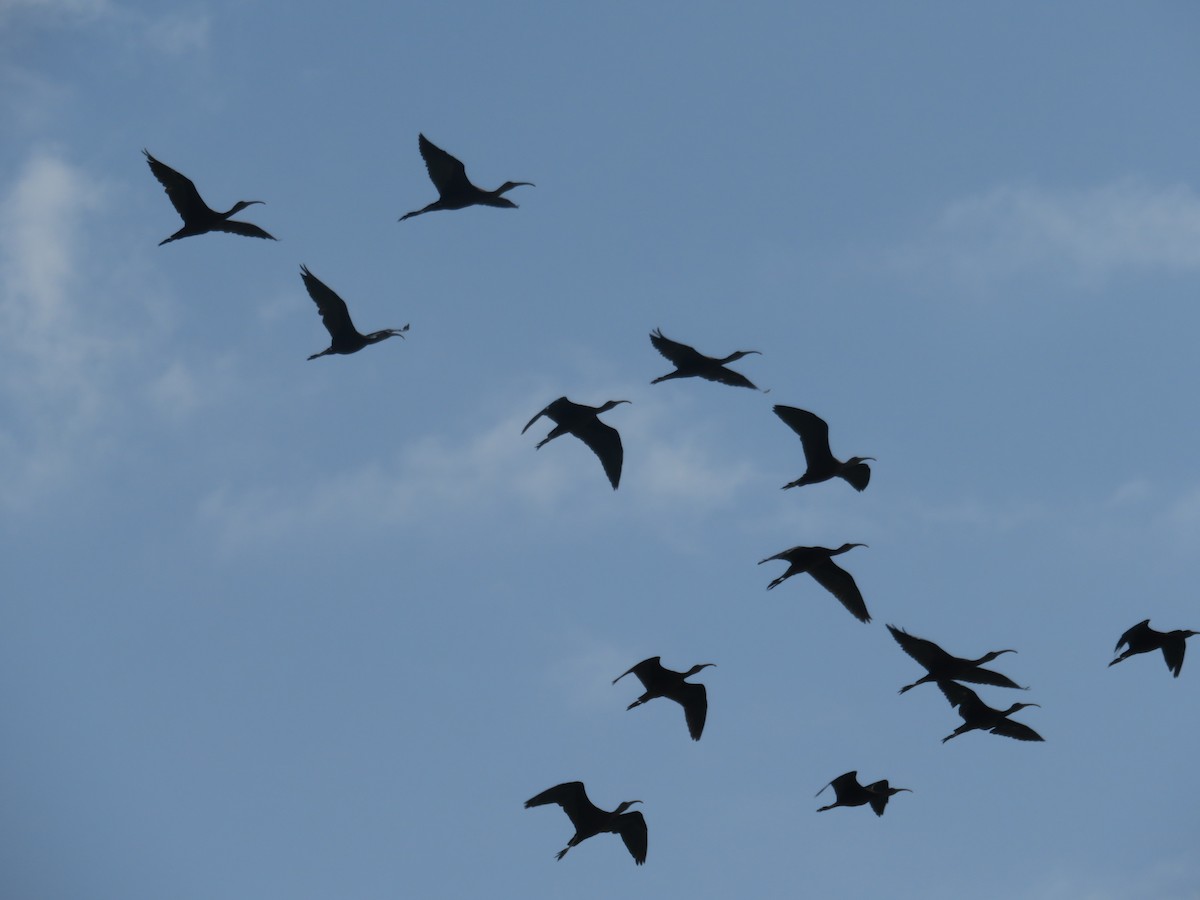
point(439, 476)
point(1084, 235)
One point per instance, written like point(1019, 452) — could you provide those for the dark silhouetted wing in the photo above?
point(959, 696)
point(632, 828)
point(243, 228)
point(723, 375)
point(180, 189)
point(1133, 634)
point(649, 672)
point(841, 584)
point(681, 355)
point(571, 796)
point(1020, 732)
point(977, 675)
point(879, 796)
point(814, 435)
point(842, 784)
point(927, 653)
point(333, 309)
point(1173, 648)
point(858, 476)
point(605, 442)
point(694, 700)
point(448, 175)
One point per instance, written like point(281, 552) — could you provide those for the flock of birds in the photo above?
point(455, 191)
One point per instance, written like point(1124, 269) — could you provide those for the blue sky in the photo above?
point(279, 628)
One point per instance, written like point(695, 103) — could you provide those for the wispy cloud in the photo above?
point(1083, 236)
point(171, 32)
point(441, 475)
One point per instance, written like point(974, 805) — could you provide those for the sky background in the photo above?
point(279, 628)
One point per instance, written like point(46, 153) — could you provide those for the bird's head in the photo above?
point(696, 668)
point(988, 657)
point(854, 460)
point(733, 357)
point(376, 336)
point(610, 404)
point(242, 204)
point(1187, 634)
point(625, 804)
point(845, 547)
point(1016, 706)
point(509, 185)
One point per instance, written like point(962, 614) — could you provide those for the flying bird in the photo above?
point(822, 465)
point(849, 792)
point(345, 338)
point(196, 215)
point(689, 363)
point(583, 422)
point(1141, 638)
point(941, 666)
point(817, 562)
point(449, 176)
point(662, 682)
point(978, 715)
point(590, 820)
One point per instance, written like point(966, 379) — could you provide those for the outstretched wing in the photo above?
point(844, 782)
point(722, 375)
point(333, 309)
point(927, 653)
point(447, 173)
point(959, 696)
point(244, 228)
point(632, 828)
point(1131, 634)
point(1173, 649)
point(605, 442)
point(841, 584)
point(694, 700)
point(180, 189)
point(571, 796)
point(680, 354)
point(813, 432)
point(648, 671)
point(1020, 732)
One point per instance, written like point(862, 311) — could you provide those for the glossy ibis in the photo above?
point(689, 363)
point(941, 666)
point(850, 793)
point(818, 562)
point(590, 820)
point(1141, 638)
point(583, 422)
point(345, 338)
point(449, 176)
point(978, 715)
point(196, 215)
point(662, 682)
point(822, 465)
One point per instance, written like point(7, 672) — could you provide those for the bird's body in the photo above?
point(590, 820)
point(690, 363)
point(978, 715)
point(344, 337)
point(197, 217)
point(583, 422)
point(662, 682)
point(822, 464)
point(455, 190)
point(818, 562)
point(941, 666)
point(1141, 638)
point(849, 792)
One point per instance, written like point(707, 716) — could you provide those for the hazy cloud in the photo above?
point(1084, 235)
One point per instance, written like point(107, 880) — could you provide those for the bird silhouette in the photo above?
point(1141, 638)
point(662, 682)
point(822, 465)
point(196, 215)
point(345, 338)
point(941, 666)
point(817, 562)
point(978, 715)
point(849, 792)
point(583, 422)
point(449, 176)
point(689, 363)
point(590, 820)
